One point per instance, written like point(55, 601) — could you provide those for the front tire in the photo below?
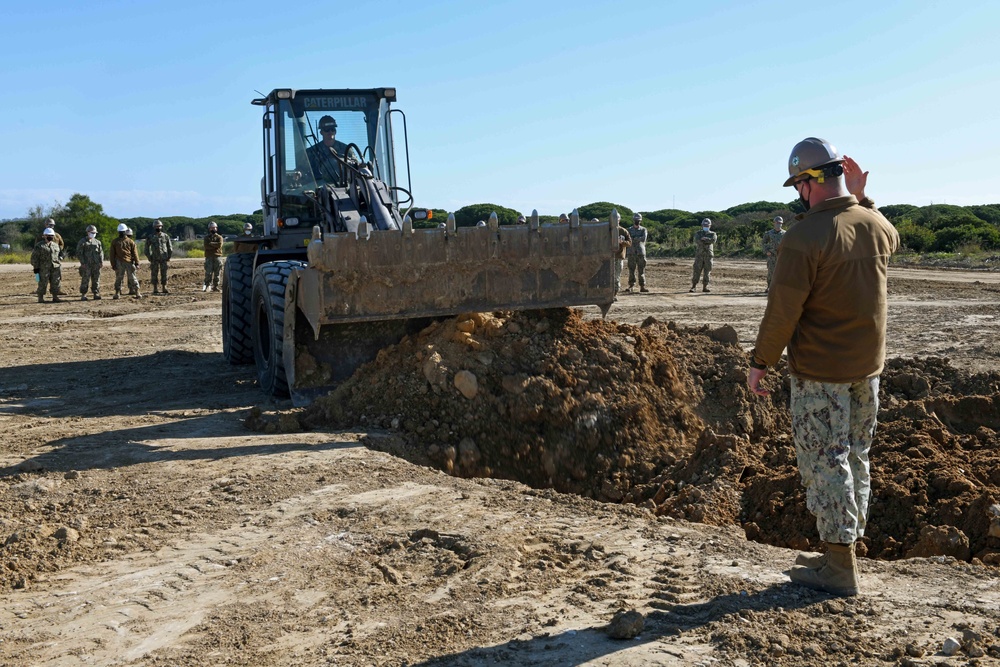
point(268, 330)
point(237, 289)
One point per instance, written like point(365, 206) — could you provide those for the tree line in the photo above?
point(922, 229)
point(73, 218)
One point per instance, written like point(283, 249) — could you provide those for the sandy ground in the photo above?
point(142, 523)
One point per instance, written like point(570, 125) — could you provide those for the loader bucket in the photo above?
point(364, 291)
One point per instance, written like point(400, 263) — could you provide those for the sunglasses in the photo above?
point(329, 130)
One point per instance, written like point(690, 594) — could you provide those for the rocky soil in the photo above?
point(525, 488)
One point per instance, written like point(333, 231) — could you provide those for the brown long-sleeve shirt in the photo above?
point(827, 301)
point(124, 250)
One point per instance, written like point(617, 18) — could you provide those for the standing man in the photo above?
point(772, 238)
point(158, 250)
point(828, 306)
point(704, 256)
point(90, 252)
point(51, 224)
point(125, 262)
point(624, 242)
point(636, 253)
point(46, 263)
point(213, 258)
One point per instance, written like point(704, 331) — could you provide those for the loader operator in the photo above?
point(827, 304)
point(324, 166)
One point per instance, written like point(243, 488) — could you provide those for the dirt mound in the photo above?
point(543, 398)
point(661, 417)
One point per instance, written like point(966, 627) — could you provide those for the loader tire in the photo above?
point(268, 324)
point(237, 288)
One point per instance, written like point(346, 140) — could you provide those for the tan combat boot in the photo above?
point(811, 559)
point(838, 575)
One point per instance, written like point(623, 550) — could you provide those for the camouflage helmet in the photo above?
point(157, 224)
point(128, 231)
point(50, 223)
point(212, 225)
point(91, 229)
point(563, 217)
point(808, 156)
point(706, 221)
point(520, 219)
point(779, 220)
point(248, 227)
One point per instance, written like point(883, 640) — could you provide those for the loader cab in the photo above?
point(299, 153)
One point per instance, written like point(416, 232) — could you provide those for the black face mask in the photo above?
point(805, 202)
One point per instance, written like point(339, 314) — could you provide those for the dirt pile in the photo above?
point(660, 416)
point(544, 398)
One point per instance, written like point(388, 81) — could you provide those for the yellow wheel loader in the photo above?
point(340, 272)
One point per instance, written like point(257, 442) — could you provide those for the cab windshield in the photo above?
point(318, 127)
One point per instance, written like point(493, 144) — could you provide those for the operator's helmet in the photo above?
point(594, 220)
point(157, 225)
point(212, 226)
point(563, 217)
point(49, 232)
point(521, 220)
point(779, 220)
point(248, 227)
point(808, 156)
point(91, 229)
point(706, 221)
point(50, 223)
point(637, 217)
point(481, 223)
point(122, 227)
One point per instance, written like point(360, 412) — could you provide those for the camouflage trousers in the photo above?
point(619, 265)
point(702, 265)
point(51, 277)
point(213, 267)
point(833, 425)
point(158, 269)
point(637, 264)
point(121, 272)
point(90, 276)
point(771, 261)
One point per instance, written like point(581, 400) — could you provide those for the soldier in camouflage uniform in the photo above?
point(636, 253)
point(828, 307)
point(213, 258)
point(46, 263)
point(772, 238)
point(704, 255)
point(158, 250)
point(90, 251)
point(51, 224)
point(125, 262)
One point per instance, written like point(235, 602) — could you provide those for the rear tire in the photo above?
point(237, 289)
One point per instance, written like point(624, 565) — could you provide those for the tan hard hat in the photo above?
point(810, 154)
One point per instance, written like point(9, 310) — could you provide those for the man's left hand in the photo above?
point(753, 380)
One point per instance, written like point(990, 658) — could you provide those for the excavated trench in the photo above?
point(661, 416)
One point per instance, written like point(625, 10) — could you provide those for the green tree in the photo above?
point(73, 218)
point(468, 216)
point(602, 211)
point(915, 237)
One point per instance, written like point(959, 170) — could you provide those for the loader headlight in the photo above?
point(284, 94)
point(291, 222)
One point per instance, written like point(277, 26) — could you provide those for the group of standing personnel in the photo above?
point(47, 256)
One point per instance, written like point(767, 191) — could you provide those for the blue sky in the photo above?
point(144, 106)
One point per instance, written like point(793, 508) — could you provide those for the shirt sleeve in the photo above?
point(793, 278)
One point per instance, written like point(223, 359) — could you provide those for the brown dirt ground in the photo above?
point(596, 467)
